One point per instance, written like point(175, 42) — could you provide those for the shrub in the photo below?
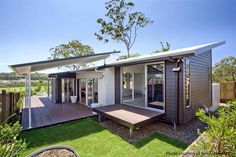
point(221, 133)
point(10, 144)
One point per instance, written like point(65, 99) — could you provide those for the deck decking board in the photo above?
point(129, 116)
point(44, 112)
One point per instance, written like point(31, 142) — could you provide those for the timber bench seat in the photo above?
point(129, 116)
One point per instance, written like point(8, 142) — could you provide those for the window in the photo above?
point(187, 84)
point(209, 81)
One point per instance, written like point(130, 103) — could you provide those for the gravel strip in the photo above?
point(186, 133)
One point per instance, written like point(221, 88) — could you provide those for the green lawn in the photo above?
point(89, 139)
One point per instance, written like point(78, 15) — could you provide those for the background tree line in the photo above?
point(13, 76)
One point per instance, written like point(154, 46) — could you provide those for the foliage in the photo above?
point(11, 83)
point(125, 56)
point(12, 76)
point(19, 104)
point(92, 140)
point(225, 70)
point(164, 48)
point(39, 86)
point(10, 144)
point(22, 89)
point(121, 24)
point(221, 133)
point(72, 49)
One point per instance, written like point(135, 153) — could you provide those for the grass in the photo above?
point(89, 139)
point(20, 89)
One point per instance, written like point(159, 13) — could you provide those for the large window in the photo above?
point(187, 90)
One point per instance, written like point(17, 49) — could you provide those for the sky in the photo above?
point(29, 28)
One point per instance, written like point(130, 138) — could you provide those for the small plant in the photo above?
point(10, 144)
point(221, 133)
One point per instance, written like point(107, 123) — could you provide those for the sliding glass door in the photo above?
point(67, 89)
point(155, 86)
point(82, 91)
point(127, 87)
point(88, 91)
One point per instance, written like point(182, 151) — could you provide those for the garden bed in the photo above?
point(186, 133)
point(55, 151)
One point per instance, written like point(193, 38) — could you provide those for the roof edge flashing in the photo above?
point(209, 47)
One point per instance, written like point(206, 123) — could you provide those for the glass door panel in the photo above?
point(83, 91)
point(155, 86)
point(89, 92)
point(67, 89)
point(62, 90)
point(95, 90)
point(127, 86)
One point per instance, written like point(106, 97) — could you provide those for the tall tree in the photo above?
point(72, 49)
point(121, 24)
point(164, 47)
point(225, 70)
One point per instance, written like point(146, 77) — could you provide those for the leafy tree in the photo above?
point(72, 49)
point(221, 133)
point(164, 48)
point(10, 144)
point(40, 84)
point(225, 70)
point(125, 56)
point(121, 24)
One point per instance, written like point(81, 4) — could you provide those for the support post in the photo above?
point(130, 132)
point(48, 88)
point(99, 118)
point(28, 96)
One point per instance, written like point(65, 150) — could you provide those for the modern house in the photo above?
point(174, 83)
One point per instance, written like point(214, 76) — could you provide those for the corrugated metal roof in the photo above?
point(194, 50)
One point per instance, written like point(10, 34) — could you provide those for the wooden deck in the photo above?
point(132, 117)
point(45, 113)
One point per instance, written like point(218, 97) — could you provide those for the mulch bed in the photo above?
point(57, 153)
point(186, 133)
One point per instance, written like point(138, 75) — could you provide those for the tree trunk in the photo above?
point(128, 52)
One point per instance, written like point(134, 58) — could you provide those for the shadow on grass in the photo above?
point(60, 133)
point(162, 138)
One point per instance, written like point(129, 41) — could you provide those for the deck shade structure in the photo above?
point(26, 69)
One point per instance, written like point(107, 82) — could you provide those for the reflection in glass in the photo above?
point(127, 86)
point(155, 80)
